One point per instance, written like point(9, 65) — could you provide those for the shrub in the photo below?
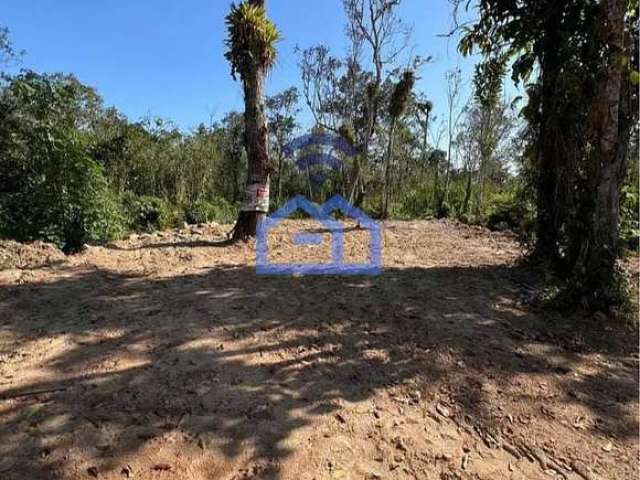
point(468, 219)
point(93, 217)
point(444, 210)
point(66, 203)
point(214, 210)
point(416, 203)
point(512, 210)
point(146, 213)
point(629, 219)
point(51, 188)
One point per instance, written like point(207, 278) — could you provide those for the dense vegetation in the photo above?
point(75, 171)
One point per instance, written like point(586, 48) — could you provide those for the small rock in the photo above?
point(340, 418)
point(93, 472)
point(400, 445)
point(443, 410)
point(162, 467)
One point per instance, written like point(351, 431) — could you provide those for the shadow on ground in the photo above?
point(252, 359)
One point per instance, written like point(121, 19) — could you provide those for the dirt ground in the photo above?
point(165, 357)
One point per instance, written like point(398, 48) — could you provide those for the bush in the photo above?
point(510, 209)
point(51, 188)
point(147, 214)
point(416, 203)
point(629, 221)
point(444, 210)
point(468, 219)
point(94, 217)
point(215, 210)
point(66, 203)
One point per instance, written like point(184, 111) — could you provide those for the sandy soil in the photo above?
point(166, 357)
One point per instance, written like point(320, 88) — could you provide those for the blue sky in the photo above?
point(165, 57)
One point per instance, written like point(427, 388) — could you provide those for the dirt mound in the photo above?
point(28, 255)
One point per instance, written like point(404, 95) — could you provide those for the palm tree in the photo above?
point(424, 107)
point(251, 51)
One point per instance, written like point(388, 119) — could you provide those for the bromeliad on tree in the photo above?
point(251, 42)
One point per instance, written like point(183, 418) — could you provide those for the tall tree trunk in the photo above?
point(549, 157)
point(607, 161)
point(386, 187)
point(373, 102)
point(279, 182)
point(484, 131)
point(425, 145)
point(256, 143)
point(467, 194)
point(447, 178)
point(356, 183)
point(436, 186)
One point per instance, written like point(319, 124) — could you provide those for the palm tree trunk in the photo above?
point(257, 193)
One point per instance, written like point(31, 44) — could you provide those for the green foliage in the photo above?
point(214, 210)
point(630, 223)
point(8, 53)
point(444, 210)
point(147, 213)
point(574, 48)
point(50, 188)
point(564, 295)
point(510, 208)
point(416, 203)
point(75, 173)
point(252, 38)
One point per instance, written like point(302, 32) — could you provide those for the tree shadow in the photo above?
point(238, 363)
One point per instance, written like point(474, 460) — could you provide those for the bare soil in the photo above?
point(165, 357)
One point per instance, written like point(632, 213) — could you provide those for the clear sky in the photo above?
point(165, 57)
